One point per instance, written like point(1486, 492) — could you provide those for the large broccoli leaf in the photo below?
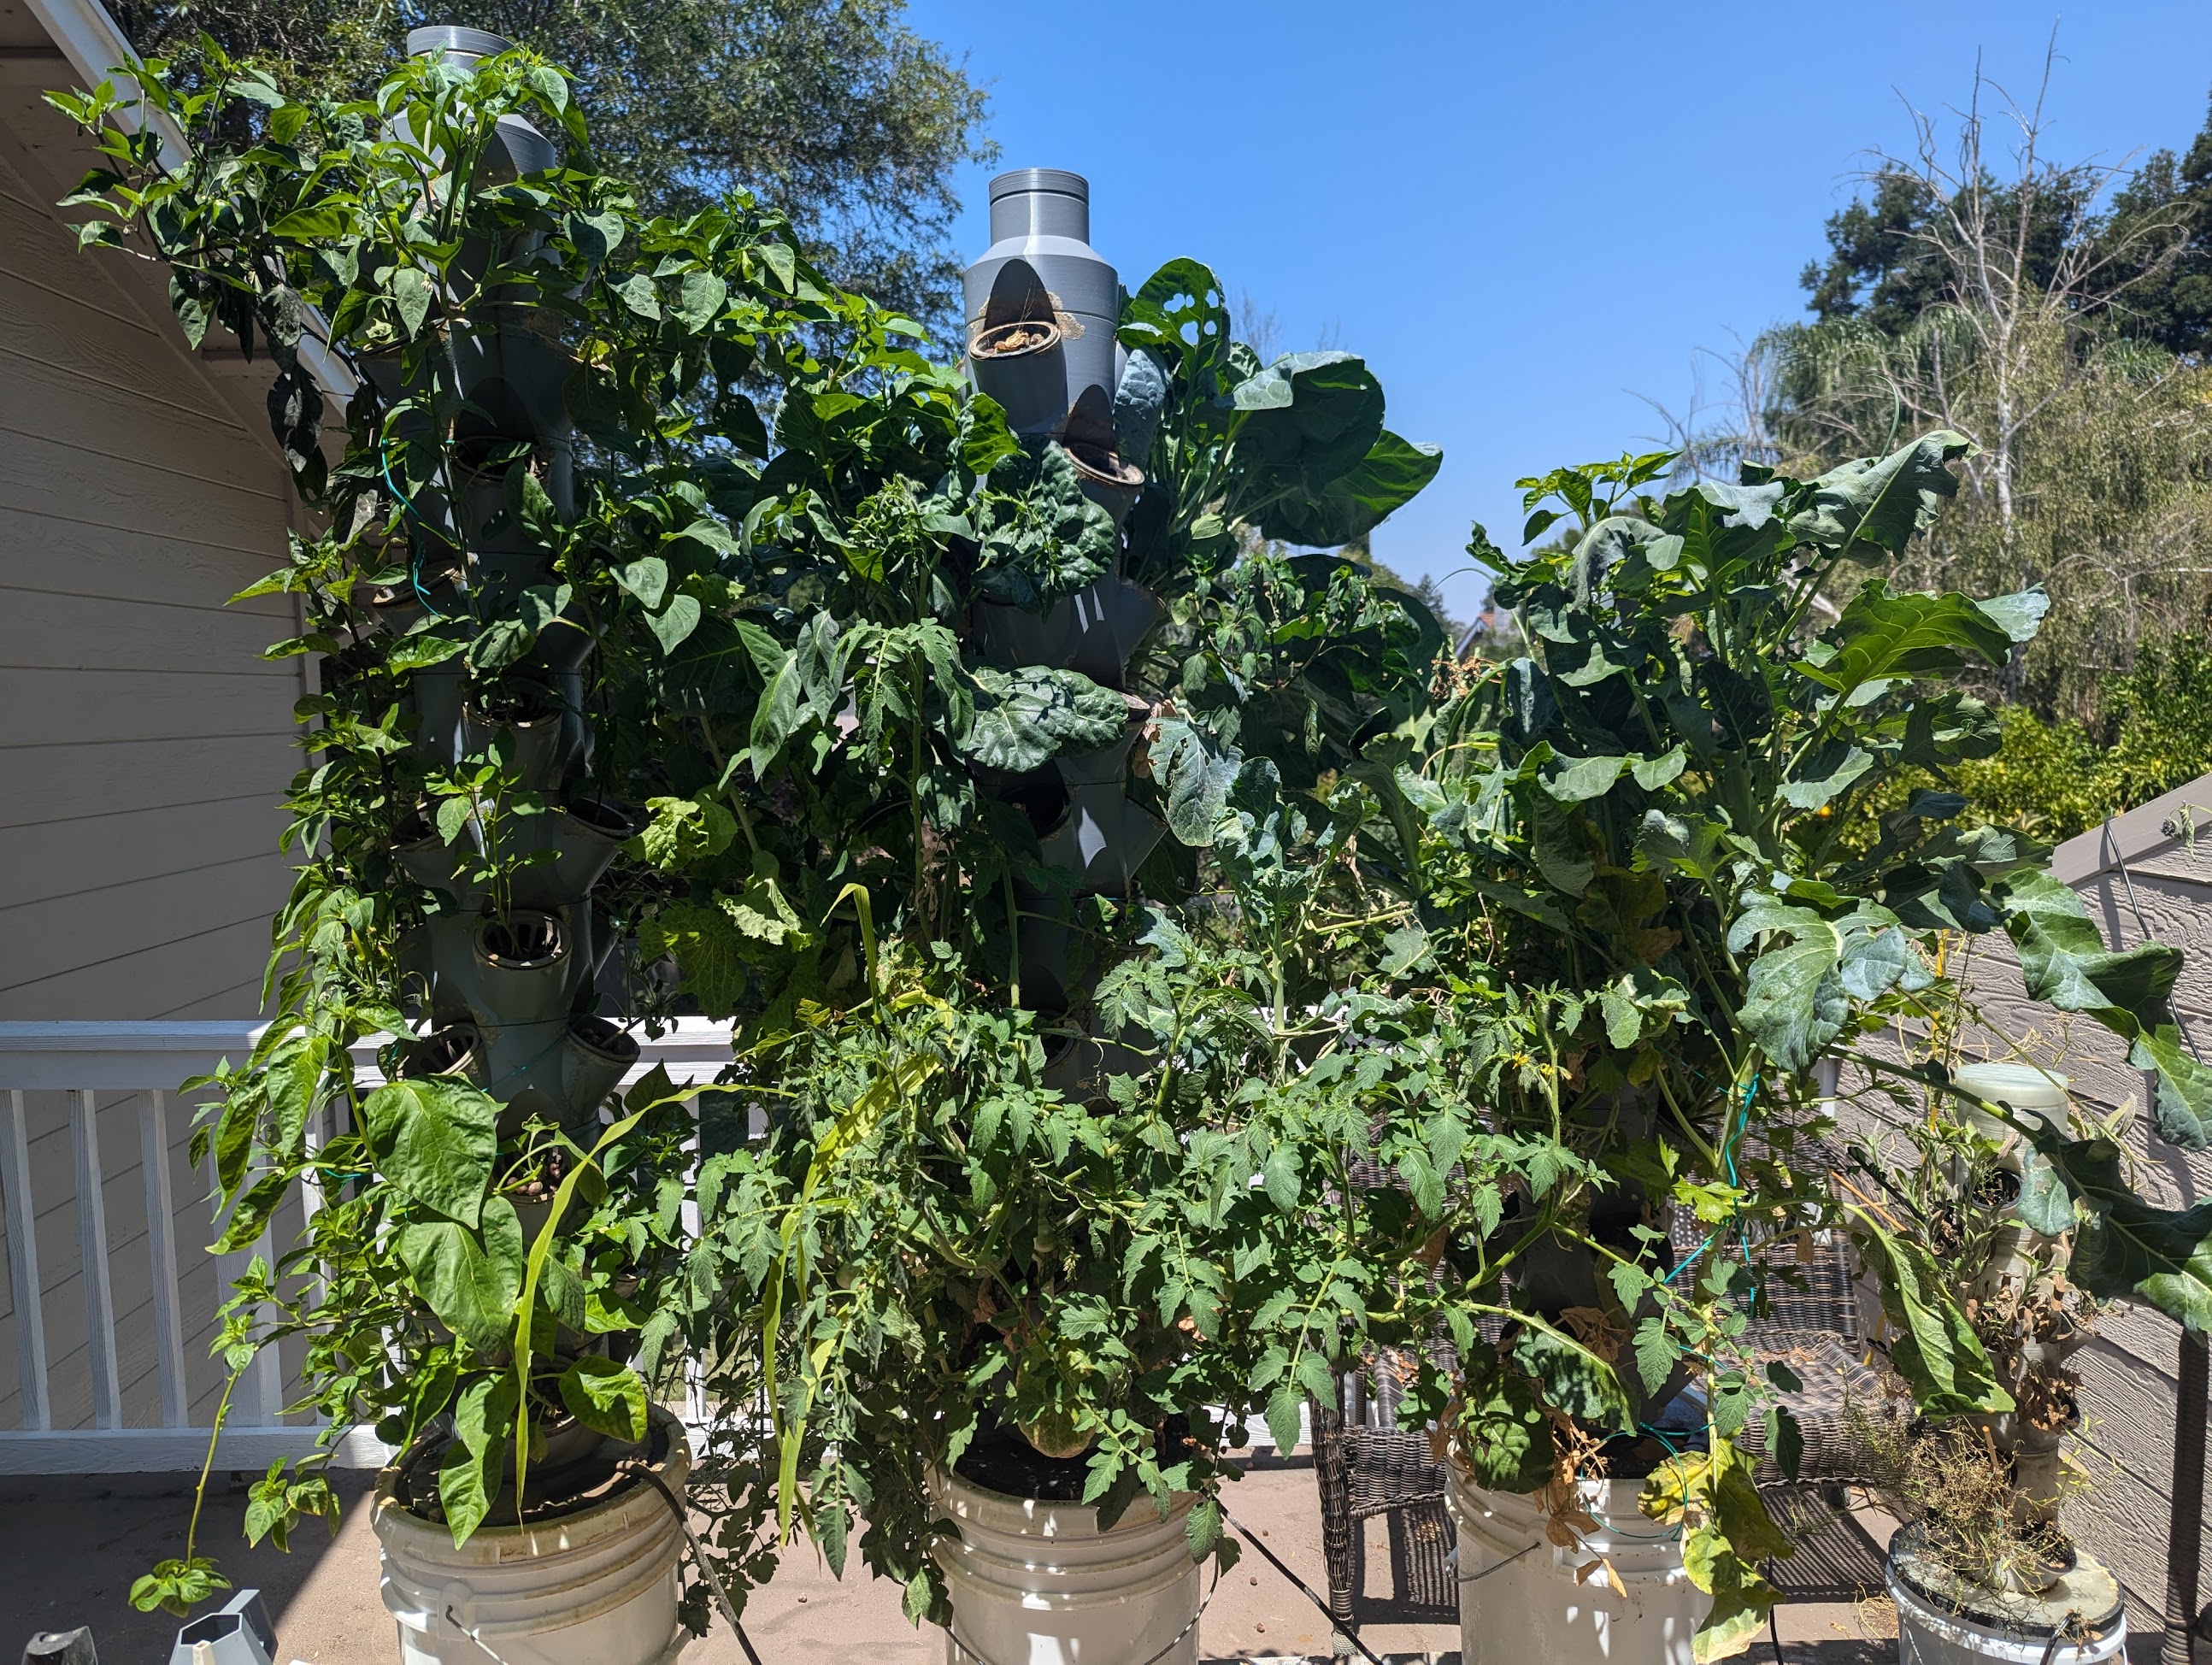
point(2063, 960)
point(1325, 513)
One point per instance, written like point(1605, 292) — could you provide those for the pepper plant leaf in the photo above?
point(434, 1137)
point(604, 1394)
point(469, 1281)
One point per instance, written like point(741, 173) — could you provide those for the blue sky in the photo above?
point(1523, 215)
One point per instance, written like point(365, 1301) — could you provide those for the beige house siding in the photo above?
point(146, 739)
point(143, 741)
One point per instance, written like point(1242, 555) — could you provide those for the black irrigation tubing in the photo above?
point(698, 1554)
point(1276, 1562)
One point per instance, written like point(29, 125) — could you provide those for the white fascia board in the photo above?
point(96, 50)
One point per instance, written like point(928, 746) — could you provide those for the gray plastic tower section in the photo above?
point(1041, 216)
point(526, 149)
point(459, 46)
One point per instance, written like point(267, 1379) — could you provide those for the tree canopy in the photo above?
point(2148, 231)
point(836, 110)
point(2059, 313)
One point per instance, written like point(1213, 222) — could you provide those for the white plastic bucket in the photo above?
point(1519, 1602)
point(1927, 1634)
point(1036, 1582)
point(595, 1588)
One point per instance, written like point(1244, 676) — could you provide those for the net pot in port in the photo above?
point(1017, 339)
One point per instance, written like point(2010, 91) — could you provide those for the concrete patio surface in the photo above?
point(70, 1546)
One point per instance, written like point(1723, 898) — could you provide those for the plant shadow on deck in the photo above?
point(73, 1543)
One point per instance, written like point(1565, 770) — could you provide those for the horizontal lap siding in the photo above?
point(145, 746)
point(147, 741)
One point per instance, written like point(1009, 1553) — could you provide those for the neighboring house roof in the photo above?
point(94, 48)
point(2167, 832)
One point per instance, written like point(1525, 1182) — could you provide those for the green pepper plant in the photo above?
point(476, 1269)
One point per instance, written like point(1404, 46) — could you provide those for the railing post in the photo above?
point(2185, 1526)
point(92, 1251)
point(162, 1254)
point(23, 1266)
point(694, 1381)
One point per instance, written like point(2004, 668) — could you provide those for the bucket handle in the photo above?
point(1153, 1658)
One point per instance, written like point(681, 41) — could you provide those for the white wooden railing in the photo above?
point(83, 1078)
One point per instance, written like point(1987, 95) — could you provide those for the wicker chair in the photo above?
point(1366, 1465)
point(1816, 1331)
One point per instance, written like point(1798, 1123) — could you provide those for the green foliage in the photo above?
point(1673, 862)
point(1937, 1353)
point(939, 1245)
point(2054, 778)
point(1727, 1533)
point(841, 112)
point(1295, 450)
point(776, 641)
point(394, 233)
point(178, 1585)
point(1042, 537)
point(2061, 322)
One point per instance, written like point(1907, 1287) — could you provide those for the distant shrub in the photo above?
point(2053, 779)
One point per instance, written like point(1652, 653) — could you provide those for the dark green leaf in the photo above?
point(1024, 718)
point(2128, 1249)
point(674, 622)
point(1574, 1379)
point(1883, 500)
point(470, 1282)
point(434, 1138)
point(1354, 503)
point(1936, 1351)
point(603, 1395)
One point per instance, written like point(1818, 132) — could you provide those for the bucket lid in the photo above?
point(2086, 1593)
point(2021, 1086)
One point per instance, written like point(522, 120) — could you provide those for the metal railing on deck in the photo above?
point(70, 1068)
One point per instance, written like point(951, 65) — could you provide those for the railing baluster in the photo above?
point(92, 1252)
point(695, 1389)
point(23, 1266)
point(162, 1254)
point(254, 1403)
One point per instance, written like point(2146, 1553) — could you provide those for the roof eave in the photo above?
point(88, 38)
